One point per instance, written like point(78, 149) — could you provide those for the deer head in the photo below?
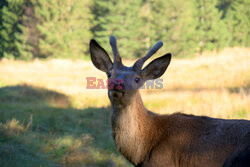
point(125, 80)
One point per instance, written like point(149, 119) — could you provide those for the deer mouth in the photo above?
point(117, 93)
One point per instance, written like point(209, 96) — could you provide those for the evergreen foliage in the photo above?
point(122, 19)
point(2, 4)
point(237, 19)
point(56, 28)
point(64, 27)
point(212, 29)
point(175, 22)
point(11, 30)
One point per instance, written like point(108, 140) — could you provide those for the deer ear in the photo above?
point(156, 68)
point(99, 57)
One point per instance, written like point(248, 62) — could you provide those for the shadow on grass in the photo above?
point(242, 89)
point(39, 127)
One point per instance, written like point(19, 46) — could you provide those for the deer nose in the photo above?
point(118, 84)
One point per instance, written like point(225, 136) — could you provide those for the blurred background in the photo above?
point(48, 117)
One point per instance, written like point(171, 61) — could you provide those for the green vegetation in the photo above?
point(120, 18)
point(238, 23)
point(50, 28)
point(212, 29)
point(62, 29)
point(12, 31)
point(39, 127)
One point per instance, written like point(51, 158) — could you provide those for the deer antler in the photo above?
point(139, 63)
point(117, 58)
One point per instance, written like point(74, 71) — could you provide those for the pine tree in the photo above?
point(175, 22)
point(12, 41)
point(2, 4)
point(64, 27)
point(223, 6)
point(238, 22)
point(30, 33)
point(214, 34)
point(122, 19)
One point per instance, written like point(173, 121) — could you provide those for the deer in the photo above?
point(147, 139)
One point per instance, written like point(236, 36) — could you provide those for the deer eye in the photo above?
point(137, 80)
point(109, 74)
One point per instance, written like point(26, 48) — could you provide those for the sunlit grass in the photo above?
point(12, 128)
point(48, 117)
point(216, 103)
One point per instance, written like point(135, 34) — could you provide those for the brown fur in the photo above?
point(147, 139)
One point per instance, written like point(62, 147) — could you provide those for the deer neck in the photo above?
point(132, 129)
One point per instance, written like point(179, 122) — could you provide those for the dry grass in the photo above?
point(214, 84)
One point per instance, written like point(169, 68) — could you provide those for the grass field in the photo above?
point(48, 117)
